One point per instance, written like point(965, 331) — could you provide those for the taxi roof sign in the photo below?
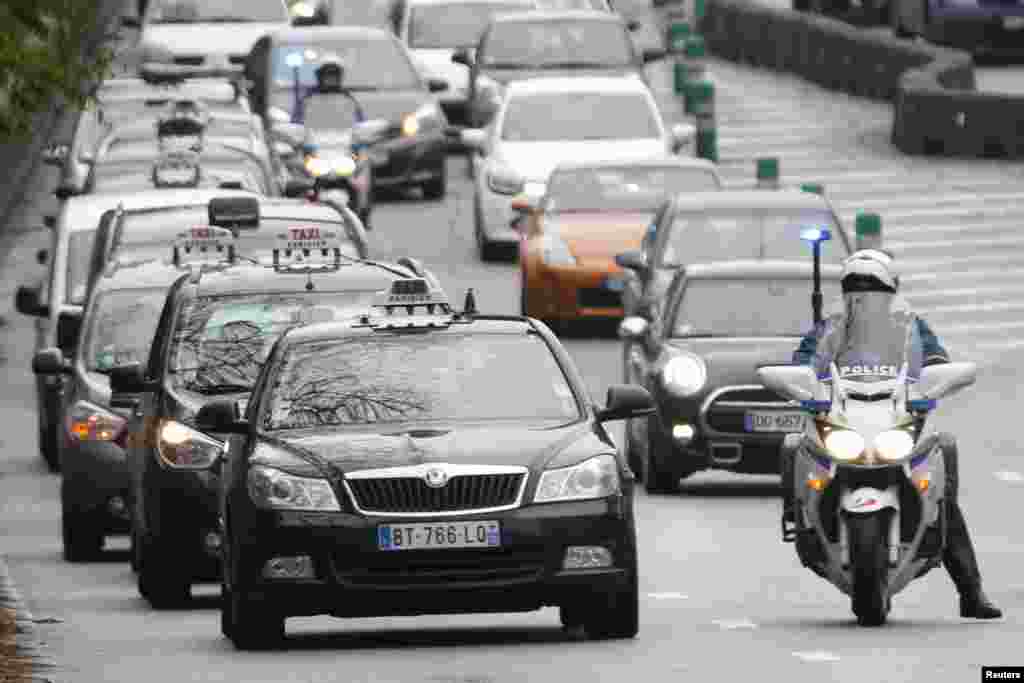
point(409, 304)
point(234, 212)
point(179, 168)
point(204, 245)
point(307, 249)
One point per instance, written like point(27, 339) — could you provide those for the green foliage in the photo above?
point(42, 49)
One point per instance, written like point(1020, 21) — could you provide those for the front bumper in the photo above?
point(354, 578)
point(411, 161)
point(573, 292)
point(94, 476)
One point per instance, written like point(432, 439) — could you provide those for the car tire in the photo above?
point(82, 540)
point(634, 458)
point(48, 447)
point(133, 550)
point(572, 616)
point(658, 477)
point(436, 188)
point(251, 627)
point(158, 581)
point(524, 309)
point(620, 616)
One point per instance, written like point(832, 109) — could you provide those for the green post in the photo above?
point(695, 59)
point(703, 93)
point(813, 188)
point(678, 33)
point(698, 12)
point(768, 173)
point(869, 231)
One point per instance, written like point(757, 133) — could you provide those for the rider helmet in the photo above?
point(869, 270)
point(330, 74)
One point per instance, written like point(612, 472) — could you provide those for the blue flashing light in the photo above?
point(816, 406)
point(294, 60)
point(815, 235)
point(921, 405)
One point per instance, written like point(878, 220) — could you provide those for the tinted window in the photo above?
point(221, 342)
point(640, 188)
point(369, 65)
point(217, 11)
point(554, 44)
point(454, 25)
point(751, 233)
point(570, 116)
point(748, 307)
point(121, 327)
point(386, 379)
point(80, 245)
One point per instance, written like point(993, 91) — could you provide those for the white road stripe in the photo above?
point(816, 656)
point(735, 624)
point(668, 596)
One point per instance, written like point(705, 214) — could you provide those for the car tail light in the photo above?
point(89, 422)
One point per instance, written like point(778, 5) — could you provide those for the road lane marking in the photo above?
point(816, 656)
point(668, 596)
point(1010, 477)
point(735, 624)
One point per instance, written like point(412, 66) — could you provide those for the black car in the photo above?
point(214, 331)
point(699, 360)
point(379, 74)
point(547, 43)
point(419, 461)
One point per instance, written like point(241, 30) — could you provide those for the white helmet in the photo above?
point(869, 270)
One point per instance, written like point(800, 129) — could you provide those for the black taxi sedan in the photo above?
point(377, 471)
point(699, 361)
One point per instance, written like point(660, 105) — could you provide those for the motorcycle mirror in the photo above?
point(939, 381)
point(794, 382)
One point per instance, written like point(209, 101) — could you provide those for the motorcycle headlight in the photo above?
point(684, 375)
point(594, 478)
point(89, 422)
point(893, 445)
point(181, 447)
point(318, 166)
point(423, 120)
point(272, 488)
point(845, 445)
point(555, 252)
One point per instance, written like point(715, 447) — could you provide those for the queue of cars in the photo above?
point(226, 376)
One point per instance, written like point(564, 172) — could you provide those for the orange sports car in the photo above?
point(589, 213)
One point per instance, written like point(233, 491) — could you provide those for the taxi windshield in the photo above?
point(719, 235)
point(571, 43)
point(80, 245)
point(121, 328)
point(389, 379)
point(376, 64)
point(454, 25)
point(637, 188)
point(570, 116)
point(217, 11)
point(220, 342)
point(720, 307)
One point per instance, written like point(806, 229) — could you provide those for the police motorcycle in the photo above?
point(869, 482)
point(330, 154)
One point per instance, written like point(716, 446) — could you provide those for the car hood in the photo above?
point(735, 360)
point(438, 64)
point(595, 237)
point(487, 445)
point(382, 104)
point(535, 160)
point(203, 39)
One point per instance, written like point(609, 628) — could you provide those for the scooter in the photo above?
point(869, 484)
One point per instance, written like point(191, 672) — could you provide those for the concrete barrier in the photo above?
point(936, 108)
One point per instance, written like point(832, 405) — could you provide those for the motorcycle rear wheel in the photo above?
point(869, 560)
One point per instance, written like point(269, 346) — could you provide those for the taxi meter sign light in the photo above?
point(411, 303)
point(234, 212)
point(204, 246)
point(176, 170)
point(305, 249)
point(182, 129)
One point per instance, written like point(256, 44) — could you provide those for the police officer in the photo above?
point(330, 79)
point(872, 271)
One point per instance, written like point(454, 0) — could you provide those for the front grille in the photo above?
point(417, 568)
point(592, 297)
point(412, 495)
point(759, 395)
point(727, 412)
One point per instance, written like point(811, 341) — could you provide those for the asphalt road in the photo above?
point(722, 597)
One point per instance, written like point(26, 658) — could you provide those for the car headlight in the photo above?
point(594, 478)
point(180, 446)
point(845, 445)
point(684, 375)
point(893, 445)
point(555, 252)
point(272, 488)
point(425, 119)
point(318, 166)
point(89, 422)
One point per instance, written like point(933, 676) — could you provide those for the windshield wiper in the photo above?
point(575, 65)
point(420, 433)
point(217, 389)
point(509, 65)
point(226, 20)
point(173, 20)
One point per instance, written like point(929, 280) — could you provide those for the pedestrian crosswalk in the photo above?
point(955, 225)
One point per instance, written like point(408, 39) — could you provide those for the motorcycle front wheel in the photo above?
point(869, 562)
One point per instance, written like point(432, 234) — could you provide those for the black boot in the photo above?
point(976, 605)
point(962, 565)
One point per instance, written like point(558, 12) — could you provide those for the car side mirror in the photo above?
point(131, 21)
point(633, 328)
point(221, 417)
point(793, 382)
point(632, 260)
point(370, 132)
point(26, 302)
point(474, 138)
point(128, 379)
point(683, 135)
point(65, 191)
point(626, 401)
point(652, 54)
point(437, 84)
point(50, 362)
point(298, 188)
point(461, 56)
point(69, 325)
point(56, 154)
point(939, 381)
point(634, 25)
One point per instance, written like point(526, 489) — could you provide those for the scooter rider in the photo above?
point(873, 271)
point(330, 79)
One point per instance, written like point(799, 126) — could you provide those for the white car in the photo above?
point(211, 34)
point(546, 121)
point(434, 30)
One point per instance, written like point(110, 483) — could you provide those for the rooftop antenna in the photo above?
point(469, 308)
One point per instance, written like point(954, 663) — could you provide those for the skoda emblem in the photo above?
point(436, 477)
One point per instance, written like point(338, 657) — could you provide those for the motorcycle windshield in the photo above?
point(330, 113)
